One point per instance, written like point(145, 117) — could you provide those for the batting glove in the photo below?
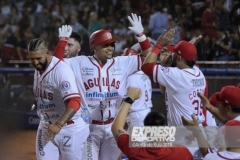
point(65, 31)
point(137, 27)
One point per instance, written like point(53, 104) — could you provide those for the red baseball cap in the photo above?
point(232, 132)
point(129, 52)
point(185, 49)
point(229, 95)
point(213, 99)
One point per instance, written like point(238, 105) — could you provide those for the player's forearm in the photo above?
point(148, 69)
point(68, 114)
point(152, 56)
point(202, 143)
point(162, 89)
point(217, 115)
point(144, 43)
point(59, 50)
point(120, 119)
point(150, 61)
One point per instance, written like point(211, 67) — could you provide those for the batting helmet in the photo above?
point(100, 37)
point(129, 52)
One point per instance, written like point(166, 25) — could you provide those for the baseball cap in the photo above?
point(232, 131)
point(228, 95)
point(129, 52)
point(213, 99)
point(185, 49)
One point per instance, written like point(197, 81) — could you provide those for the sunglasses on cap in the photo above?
point(109, 44)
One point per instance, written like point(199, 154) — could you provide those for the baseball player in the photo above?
point(165, 76)
point(227, 109)
point(152, 119)
point(214, 103)
point(142, 106)
point(101, 81)
point(71, 45)
point(61, 132)
point(232, 136)
point(182, 81)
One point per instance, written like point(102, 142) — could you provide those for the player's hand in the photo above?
point(165, 57)
point(205, 102)
point(136, 23)
point(65, 31)
point(191, 125)
point(51, 132)
point(134, 93)
point(196, 40)
point(166, 37)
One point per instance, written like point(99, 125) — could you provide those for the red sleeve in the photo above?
point(123, 145)
point(181, 151)
point(74, 103)
point(59, 50)
point(147, 68)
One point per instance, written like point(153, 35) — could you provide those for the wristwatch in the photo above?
point(128, 100)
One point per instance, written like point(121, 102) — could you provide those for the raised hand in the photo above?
point(205, 102)
point(134, 93)
point(65, 31)
point(165, 57)
point(136, 23)
point(196, 40)
point(191, 125)
point(166, 37)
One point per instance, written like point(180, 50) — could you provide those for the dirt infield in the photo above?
point(17, 145)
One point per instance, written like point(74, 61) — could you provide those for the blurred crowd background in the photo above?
point(22, 20)
point(217, 20)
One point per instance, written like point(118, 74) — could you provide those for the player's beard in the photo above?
point(44, 65)
point(174, 62)
point(74, 53)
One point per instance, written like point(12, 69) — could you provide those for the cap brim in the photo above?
point(108, 41)
point(214, 99)
point(171, 48)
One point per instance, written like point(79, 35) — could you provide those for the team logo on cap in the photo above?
point(65, 85)
point(109, 35)
point(179, 52)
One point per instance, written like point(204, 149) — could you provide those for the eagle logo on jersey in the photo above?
point(65, 85)
point(165, 69)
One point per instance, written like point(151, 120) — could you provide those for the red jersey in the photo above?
point(169, 153)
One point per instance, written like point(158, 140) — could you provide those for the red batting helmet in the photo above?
point(129, 52)
point(100, 37)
